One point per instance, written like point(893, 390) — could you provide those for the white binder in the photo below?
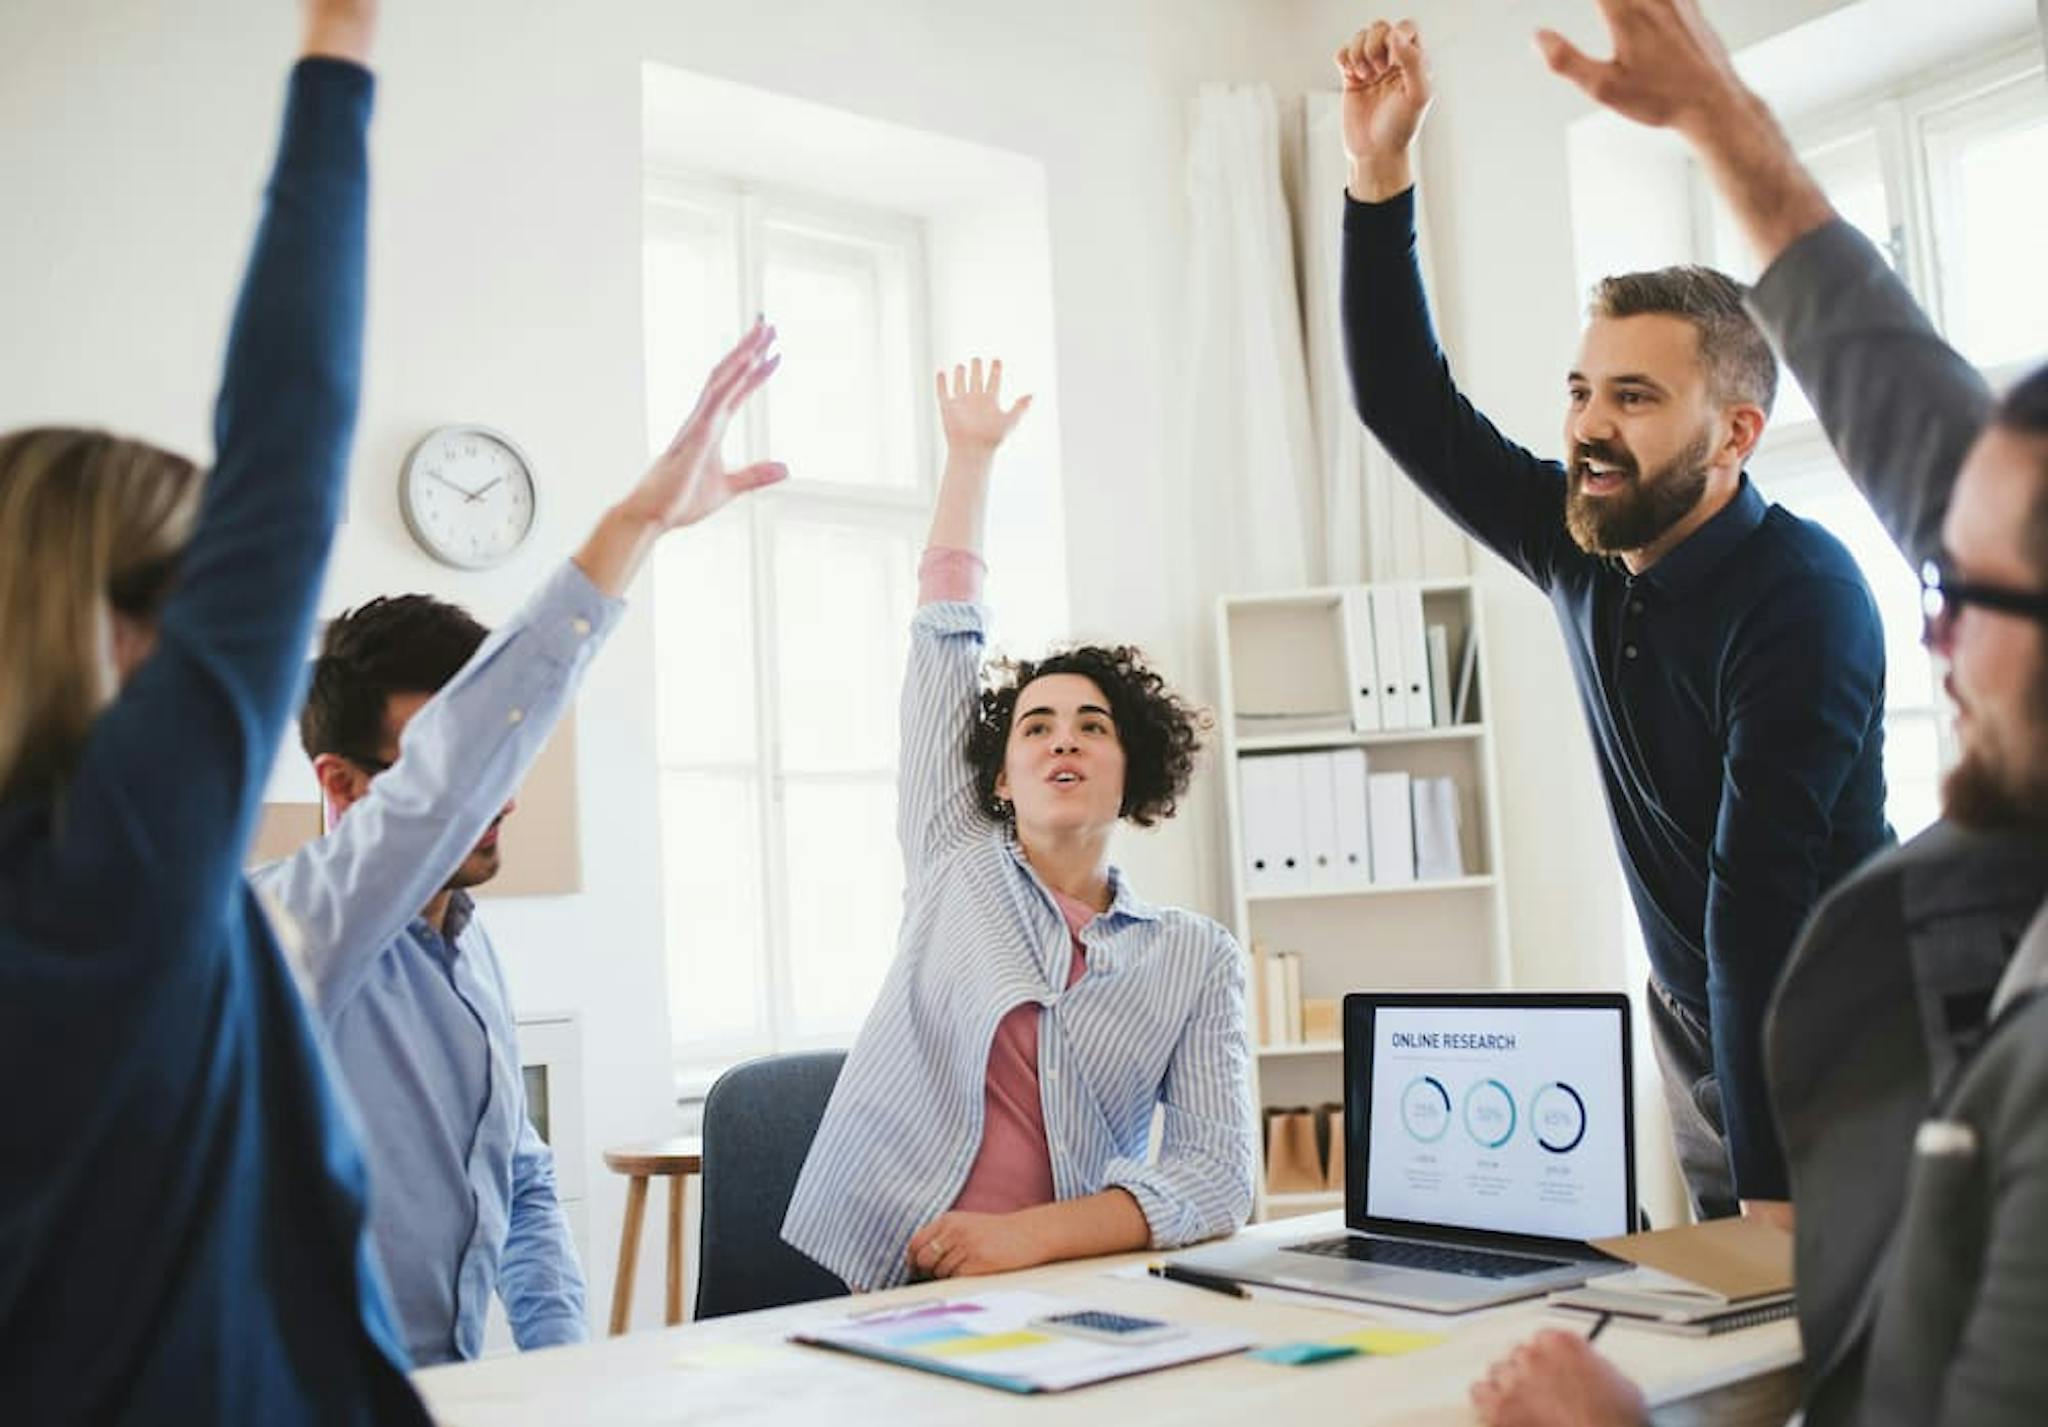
point(1440, 674)
point(1319, 817)
point(1414, 657)
point(1361, 667)
point(1393, 827)
point(1439, 850)
point(1386, 643)
point(1354, 837)
point(1274, 844)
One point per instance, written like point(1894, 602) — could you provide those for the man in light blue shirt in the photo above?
point(420, 728)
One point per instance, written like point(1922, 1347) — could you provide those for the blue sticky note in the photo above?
point(1294, 1355)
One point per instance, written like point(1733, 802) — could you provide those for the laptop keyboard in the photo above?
point(1439, 1258)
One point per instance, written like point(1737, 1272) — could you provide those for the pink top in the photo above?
point(1013, 1169)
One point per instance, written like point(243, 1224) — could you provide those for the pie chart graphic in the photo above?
point(1426, 1109)
point(1489, 1114)
point(1558, 1117)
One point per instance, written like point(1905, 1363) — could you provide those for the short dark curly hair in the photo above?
point(1160, 732)
point(398, 644)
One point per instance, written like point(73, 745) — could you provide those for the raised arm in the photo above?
point(166, 790)
point(466, 752)
point(936, 801)
point(1499, 492)
point(1899, 404)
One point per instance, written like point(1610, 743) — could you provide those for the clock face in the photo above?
point(467, 494)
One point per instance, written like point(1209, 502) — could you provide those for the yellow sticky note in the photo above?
point(1387, 1342)
point(980, 1343)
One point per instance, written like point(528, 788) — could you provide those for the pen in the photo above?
point(1599, 1326)
point(1195, 1278)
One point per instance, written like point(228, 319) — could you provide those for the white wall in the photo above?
point(505, 289)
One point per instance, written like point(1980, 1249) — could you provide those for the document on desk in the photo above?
point(995, 1339)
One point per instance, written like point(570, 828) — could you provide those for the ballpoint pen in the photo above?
point(1195, 1278)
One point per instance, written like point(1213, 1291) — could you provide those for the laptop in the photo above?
point(1487, 1137)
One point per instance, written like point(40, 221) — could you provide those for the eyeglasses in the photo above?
point(1943, 596)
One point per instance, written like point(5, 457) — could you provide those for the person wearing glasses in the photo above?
point(420, 728)
point(1908, 1043)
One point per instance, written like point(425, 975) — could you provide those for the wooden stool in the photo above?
point(676, 1160)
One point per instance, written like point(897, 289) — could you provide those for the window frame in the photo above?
point(748, 210)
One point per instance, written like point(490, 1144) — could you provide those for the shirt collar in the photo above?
point(2028, 969)
point(1123, 902)
point(1681, 571)
point(461, 911)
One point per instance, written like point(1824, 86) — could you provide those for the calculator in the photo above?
point(1101, 1326)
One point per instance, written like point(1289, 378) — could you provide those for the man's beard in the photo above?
point(1642, 510)
point(1986, 791)
point(479, 867)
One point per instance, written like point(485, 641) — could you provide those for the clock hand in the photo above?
point(462, 491)
point(478, 493)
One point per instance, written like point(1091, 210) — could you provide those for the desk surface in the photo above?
point(740, 1371)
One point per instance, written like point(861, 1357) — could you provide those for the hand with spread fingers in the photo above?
point(689, 481)
point(959, 1243)
point(1556, 1379)
point(1386, 96)
point(1669, 70)
point(971, 408)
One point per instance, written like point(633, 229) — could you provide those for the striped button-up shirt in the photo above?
point(1158, 1020)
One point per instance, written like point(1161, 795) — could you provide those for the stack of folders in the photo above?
point(1400, 664)
point(1697, 1281)
point(1323, 822)
point(1286, 1017)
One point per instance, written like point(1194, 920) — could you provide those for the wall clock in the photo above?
point(467, 495)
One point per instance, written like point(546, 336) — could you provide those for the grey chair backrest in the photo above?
point(759, 1121)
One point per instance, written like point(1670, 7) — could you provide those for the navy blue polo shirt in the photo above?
point(1734, 691)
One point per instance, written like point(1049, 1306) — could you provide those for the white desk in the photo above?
point(739, 1372)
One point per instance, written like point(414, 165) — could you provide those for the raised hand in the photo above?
point(971, 409)
point(1669, 69)
point(1386, 94)
point(340, 29)
point(689, 481)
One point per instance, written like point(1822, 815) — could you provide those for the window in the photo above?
point(1946, 180)
point(781, 624)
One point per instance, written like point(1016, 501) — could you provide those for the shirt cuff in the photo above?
point(568, 613)
point(949, 574)
point(554, 1331)
point(1395, 215)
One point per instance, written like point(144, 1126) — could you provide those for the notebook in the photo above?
point(1697, 1280)
point(997, 1340)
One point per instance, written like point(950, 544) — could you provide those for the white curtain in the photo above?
point(1249, 452)
point(1375, 525)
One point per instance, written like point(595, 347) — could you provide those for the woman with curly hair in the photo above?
point(995, 1111)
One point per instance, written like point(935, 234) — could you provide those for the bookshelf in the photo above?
point(1285, 679)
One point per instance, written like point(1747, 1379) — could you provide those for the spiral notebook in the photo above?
point(1698, 1280)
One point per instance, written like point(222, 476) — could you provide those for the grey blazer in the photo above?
point(1884, 996)
point(1887, 992)
point(1961, 1336)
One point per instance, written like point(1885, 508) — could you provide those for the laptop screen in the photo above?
point(1507, 1113)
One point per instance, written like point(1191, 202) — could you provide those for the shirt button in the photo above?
point(580, 625)
point(517, 714)
point(1635, 606)
point(1628, 651)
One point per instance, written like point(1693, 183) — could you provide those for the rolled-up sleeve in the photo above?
point(1204, 1179)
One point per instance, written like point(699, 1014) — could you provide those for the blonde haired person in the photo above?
point(181, 1200)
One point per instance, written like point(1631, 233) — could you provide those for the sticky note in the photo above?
point(1294, 1355)
point(1387, 1342)
point(984, 1343)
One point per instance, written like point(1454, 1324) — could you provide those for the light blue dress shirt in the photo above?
point(1157, 1021)
point(462, 1190)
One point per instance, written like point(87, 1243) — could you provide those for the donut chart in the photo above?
point(1426, 1109)
point(1557, 1116)
point(1490, 1116)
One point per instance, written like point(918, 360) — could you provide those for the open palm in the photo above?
point(971, 408)
point(689, 480)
